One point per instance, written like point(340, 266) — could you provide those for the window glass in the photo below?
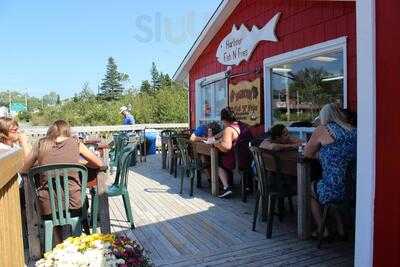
point(301, 88)
point(211, 98)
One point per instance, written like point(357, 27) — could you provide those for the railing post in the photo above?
point(11, 241)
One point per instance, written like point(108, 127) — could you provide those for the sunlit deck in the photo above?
point(206, 231)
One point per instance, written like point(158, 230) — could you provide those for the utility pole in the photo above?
point(298, 102)
point(26, 99)
point(9, 101)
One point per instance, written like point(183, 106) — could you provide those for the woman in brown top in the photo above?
point(59, 147)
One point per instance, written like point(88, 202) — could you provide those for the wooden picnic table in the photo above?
point(201, 148)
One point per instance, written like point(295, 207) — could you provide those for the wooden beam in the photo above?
point(11, 244)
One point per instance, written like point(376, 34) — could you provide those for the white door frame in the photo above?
point(366, 109)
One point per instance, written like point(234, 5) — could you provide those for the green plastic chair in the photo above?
point(120, 141)
point(190, 167)
point(57, 179)
point(175, 153)
point(165, 135)
point(119, 187)
point(140, 140)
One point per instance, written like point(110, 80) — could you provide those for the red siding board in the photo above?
point(337, 12)
point(301, 24)
point(387, 183)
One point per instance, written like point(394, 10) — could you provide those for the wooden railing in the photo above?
point(11, 241)
point(105, 131)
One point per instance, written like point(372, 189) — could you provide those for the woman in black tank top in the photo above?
point(234, 131)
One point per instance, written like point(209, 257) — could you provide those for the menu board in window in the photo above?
point(245, 100)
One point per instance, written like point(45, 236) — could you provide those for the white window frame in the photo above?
point(339, 44)
point(208, 79)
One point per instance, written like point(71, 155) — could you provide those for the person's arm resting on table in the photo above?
point(314, 144)
point(195, 138)
point(199, 134)
point(92, 160)
point(266, 144)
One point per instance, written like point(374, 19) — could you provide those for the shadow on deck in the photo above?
point(206, 231)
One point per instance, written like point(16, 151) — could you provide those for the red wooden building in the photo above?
point(258, 55)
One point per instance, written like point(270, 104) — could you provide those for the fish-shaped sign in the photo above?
point(240, 43)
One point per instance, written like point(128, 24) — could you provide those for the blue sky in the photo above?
point(49, 45)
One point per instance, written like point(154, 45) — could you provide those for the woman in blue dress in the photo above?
point(334, 143)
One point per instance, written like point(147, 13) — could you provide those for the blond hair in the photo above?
point(5, 125)
point(331, 113)
point(57, 129)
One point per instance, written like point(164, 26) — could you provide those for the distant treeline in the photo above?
point(159, 100)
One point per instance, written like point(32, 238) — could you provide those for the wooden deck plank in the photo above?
point(215, 229)
point(165, 208)
point(183, 223)
point(235, 251)
point(174, 237)
point(143, 236)
point(206, 231)
point(157, 239)
point(237, 225)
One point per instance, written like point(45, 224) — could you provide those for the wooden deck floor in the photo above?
point(206, 231)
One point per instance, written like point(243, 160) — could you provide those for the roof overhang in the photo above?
point(221, 14)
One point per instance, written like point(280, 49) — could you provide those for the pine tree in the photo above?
point(165, 80)
point(155, 78)
point(111, 87)
point(145, 88)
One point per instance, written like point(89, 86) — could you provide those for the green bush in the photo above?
point(167, 105)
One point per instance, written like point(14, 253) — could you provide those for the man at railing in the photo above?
point(128, 117)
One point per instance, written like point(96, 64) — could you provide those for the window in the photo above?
point(211, 97)
point(300, 82)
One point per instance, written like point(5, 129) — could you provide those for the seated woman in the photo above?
point(233, 133)
point(203, 132)
point(59, 147)
point(280, 139)
point(11, 137)
point(199, 134)
point(334, 142)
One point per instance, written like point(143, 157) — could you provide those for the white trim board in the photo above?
point(366, 105)
point(339, 44)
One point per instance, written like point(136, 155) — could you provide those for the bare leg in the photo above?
point(339, 222)
point(223, 176)
point(316, 210)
